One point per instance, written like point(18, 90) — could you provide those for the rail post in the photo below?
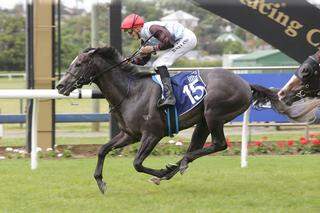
point(245, 138)
point(34, 134)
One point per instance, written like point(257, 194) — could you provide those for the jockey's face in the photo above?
point(134, 32)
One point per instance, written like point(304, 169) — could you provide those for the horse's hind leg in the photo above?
point(218, 144)
point(198, 139)
point(148, 142)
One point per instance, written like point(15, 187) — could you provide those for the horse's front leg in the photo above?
point(148, 142)
point(120, 140)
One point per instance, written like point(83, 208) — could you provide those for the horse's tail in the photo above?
point(262, 95)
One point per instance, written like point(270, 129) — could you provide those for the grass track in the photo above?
point(212, 184)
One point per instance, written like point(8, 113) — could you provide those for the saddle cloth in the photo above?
point(188, 88)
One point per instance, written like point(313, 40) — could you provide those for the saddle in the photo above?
point(189, 90)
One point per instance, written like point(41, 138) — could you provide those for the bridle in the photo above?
point(311, 83)
point(83, 79)
point(127, 59)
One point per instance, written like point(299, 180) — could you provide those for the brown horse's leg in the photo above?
point(120, 140)
point(198, 139)
point(218, 144)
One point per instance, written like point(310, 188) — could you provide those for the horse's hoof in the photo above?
point(102, 186)
point(155, 180)
point(183, 169)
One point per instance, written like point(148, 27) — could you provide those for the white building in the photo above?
point(186, 19)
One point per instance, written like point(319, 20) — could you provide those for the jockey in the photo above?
point(171, 37)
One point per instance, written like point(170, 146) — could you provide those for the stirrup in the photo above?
point(164, 103)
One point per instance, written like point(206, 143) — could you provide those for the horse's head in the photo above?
point(304, 83)
point(309, 73)
point(80, 72)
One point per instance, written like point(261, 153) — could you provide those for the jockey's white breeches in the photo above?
point(181, 47)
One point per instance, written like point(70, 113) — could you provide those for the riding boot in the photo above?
point(169, 99)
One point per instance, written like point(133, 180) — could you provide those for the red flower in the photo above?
point(302, 138)
point(312, 135)
point(258, 143)
point(315, 142)
point(280, 144)
point(228, 142)
point(304, 142)
point(290, 142)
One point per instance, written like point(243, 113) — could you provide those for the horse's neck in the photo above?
point(114, 86)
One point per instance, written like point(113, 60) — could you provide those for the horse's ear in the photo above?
point(92, 52)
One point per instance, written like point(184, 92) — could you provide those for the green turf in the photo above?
point(14, 83)
point(212, 184)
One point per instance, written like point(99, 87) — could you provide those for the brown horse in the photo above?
point(300, 96)
point(305, 82)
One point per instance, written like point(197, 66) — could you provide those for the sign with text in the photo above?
point(291, 26)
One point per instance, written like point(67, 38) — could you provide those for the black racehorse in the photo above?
point(133, 96)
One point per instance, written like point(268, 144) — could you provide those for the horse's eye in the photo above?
point(77, 64)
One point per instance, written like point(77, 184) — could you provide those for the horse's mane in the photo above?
point(112, 54)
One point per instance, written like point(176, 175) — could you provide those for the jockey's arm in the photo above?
point(141, 60)
point(163, 35)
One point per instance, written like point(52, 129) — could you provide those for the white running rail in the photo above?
point(37, 94)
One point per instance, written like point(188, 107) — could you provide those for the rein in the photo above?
point(80, 81)
point(115, 108)
point(122, 62)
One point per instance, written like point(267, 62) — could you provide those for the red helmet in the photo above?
point(132, 20)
